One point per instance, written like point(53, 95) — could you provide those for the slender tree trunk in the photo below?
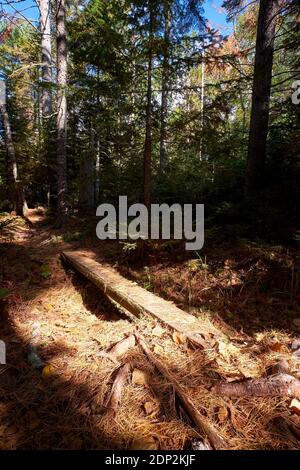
point(164, 86)
point(202, 105)
point(61, 121)
point(148, 137)
point(46, 96)
point(86, 186)
point(46, 101)
point(97, 170)
point(87, 170)
point(132, 95)
point(97, 138)
point(20, 205)
point(261, 94)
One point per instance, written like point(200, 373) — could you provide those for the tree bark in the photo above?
point(61, 121)
point(20, 205)
point(97, 154)
point(202, 105)
point(87, 176)
point(164, 86)
point(46, 101)
point(261, 90)
point(148, 136)
point(45, 106)
point(97, 171)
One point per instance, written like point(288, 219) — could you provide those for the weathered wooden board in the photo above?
point(136, 299)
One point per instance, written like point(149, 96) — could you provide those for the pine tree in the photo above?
point(61, 122)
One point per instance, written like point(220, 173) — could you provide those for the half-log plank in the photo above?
point(136, 299)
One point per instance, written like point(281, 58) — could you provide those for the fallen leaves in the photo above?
point(151, 408)
point(276, 346)
point(144, 443)
point(47, 371)
point(295, 406)
point(158, 350)
point(158, 331)
point(227, 350)
point(222, 414)
point(178, 338)
point(140, 377)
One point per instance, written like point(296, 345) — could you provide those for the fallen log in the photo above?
point(207, 429)
point(137, 300)
point(115, 395)
point(119, 349)
point(278, 385)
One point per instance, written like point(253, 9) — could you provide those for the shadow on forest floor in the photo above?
point(252, 287)
point(61, 411)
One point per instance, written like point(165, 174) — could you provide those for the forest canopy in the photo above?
point(147, 99)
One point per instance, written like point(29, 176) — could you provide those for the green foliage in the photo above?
point(45, 270)
point(72, 236)
point(128, 247)
point(147, 279)
point(3, 293)
point(108, 51)
point(297, 237)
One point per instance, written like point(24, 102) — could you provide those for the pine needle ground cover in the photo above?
point(50, 312)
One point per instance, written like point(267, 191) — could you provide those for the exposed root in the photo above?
point(119, 349)
point(278, 385)
point(205, 427)
point(114, 398)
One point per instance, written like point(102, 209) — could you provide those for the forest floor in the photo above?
point(48, 313)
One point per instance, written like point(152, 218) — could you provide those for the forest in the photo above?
point(125, 339)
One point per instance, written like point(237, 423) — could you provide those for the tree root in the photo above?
point(278, 385)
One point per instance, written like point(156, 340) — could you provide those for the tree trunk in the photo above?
point(164, 87)
point(148, 137)
point(97, 138)
point(20, 205)
point(46, 96)
point(86, 184)
point(202, 105)
point(46, 101)
point(87, 173)
point(61, 120)
point(97, 171)
point(261, 94)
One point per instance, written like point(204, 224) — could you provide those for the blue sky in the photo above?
point(216, 16)
point(214, 13)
